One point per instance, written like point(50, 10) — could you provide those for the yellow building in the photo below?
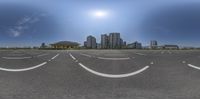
point(65, 45)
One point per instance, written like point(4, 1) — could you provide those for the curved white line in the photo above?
point(24, 69)
point(86, 55)
point(126, 58)
point(113, 75)
point(190, 65)
point(16, 57)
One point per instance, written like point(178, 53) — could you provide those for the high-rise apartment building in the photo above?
point(114, 40)
point(91, 42)
point(104, 41)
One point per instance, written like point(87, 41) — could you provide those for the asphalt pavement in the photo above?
point(99, 74)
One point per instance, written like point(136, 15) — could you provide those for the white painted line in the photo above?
point(72, 56)
point(42, 55)
point(55, 56)
point(113, 75)
point(86, 55)
point(16, 57)
point(183, 62)
point(190, 65)
point(24, 69)
point(126, 58)
point(152, 63)
point(140, 54)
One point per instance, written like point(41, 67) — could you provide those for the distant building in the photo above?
point(171, 47)
point(153, 44)
point(99, 46)
point(121, 43)
point(85, 44)
point(91, 42)
point(135, 45)
point(114, 40)
point(65, 45)
point(43, 45)
point(124, 43)
point(104, 41)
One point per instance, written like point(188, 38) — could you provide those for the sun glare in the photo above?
point(100, 14)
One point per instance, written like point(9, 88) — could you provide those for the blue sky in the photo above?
point(31, 22)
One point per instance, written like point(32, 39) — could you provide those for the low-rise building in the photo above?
point(171, 47)
point(65, 45)
point(153, 44)
point(135, 45)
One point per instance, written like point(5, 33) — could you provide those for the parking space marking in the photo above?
point(86, 55)
point(55, 56)
point(24, 69)
point(140, 54)
point(126, 58)
point(72, 56)
point(109, 75)
point(42, 55)
point(16, 57)
point(196, 67)
point(114, 75)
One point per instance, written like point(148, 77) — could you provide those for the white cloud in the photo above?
point(15, 33)
point(24, 24)
point(24, 20)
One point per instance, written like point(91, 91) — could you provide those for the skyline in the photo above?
point(31, 22)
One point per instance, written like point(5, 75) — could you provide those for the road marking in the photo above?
point(140, 54)
point(24, 69)
point(42, 55)
point(126, 58)
point(86, 55)
point(72, 56)
point(190, 65)
point(16, 57)
point(152, 63)
point(113, 75)
point(55, 56)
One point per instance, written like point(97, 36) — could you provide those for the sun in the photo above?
point(100, 14)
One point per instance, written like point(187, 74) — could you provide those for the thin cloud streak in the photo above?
point(24, 24)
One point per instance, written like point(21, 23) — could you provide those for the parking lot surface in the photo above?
point(99, 74)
